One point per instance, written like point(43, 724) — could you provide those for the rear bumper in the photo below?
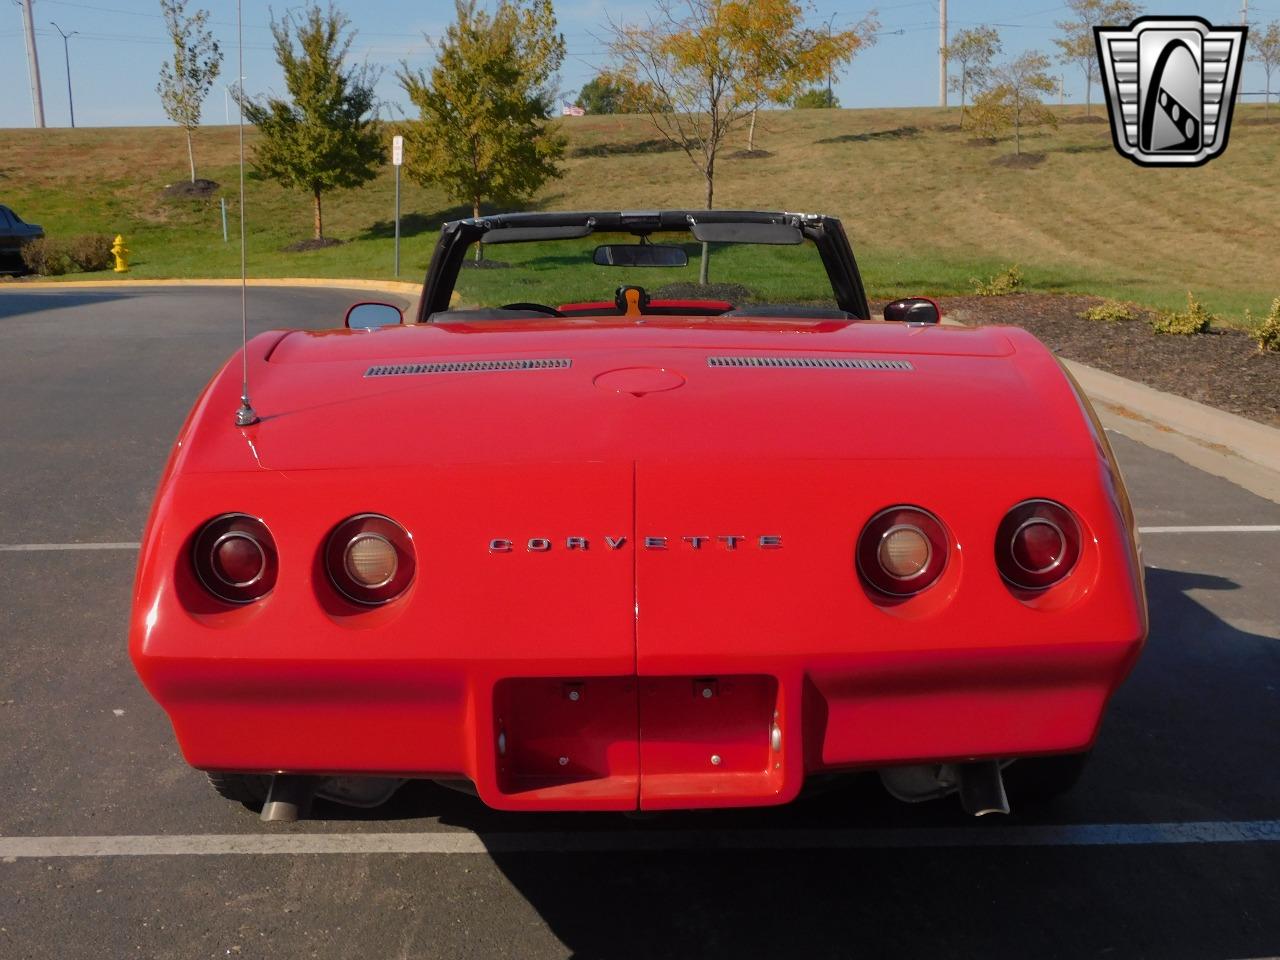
point(485, 646)
point(701, 739)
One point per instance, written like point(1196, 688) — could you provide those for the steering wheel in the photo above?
point(537, 307)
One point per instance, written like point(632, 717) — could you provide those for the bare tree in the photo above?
point(1077, 45)
point(186, 80)
point(1266, 51)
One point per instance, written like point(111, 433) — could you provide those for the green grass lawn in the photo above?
point(925, 205)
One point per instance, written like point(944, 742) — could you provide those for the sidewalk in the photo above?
point(1240, 450)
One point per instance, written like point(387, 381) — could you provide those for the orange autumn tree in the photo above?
point(702, 68)
point(784, 57)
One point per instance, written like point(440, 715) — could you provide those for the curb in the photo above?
point(396, 287)
point(1229, 446)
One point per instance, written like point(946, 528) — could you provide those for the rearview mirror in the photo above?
point(371, 316)
point(640, 255)
point(913, 310)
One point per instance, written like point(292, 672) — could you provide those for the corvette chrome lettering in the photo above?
point(724, 541)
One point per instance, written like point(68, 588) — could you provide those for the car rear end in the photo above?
point(629, 598)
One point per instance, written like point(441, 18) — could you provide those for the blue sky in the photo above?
point(115, 57)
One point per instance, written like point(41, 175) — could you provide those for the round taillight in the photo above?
point(234, 557)
point(902, 551)
point(369, 558)
point(1037, 544)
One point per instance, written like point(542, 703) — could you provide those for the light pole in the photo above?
point(66, 54)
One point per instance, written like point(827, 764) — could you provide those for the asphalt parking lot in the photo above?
point(1170, 846)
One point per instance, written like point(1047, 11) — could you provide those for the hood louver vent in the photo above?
point(464, 366)
point(816, 363)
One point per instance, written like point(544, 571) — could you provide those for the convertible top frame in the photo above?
point(827, 234)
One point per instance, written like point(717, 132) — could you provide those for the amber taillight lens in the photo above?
point(234, 557)
point(369, 558)
point(1037, 544)
point(902, 551)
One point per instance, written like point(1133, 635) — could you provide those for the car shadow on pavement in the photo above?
point(17, 302)
point(1192, 736)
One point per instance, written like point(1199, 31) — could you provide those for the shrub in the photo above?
point(1195, 319)
point(1008, 280)
point(90, 252)
point(1267, 333)
point(45, 257)
point(1110, 311)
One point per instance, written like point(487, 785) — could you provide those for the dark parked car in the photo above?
point(14, 231)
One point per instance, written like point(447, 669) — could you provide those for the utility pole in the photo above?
point(33, 64)
point(1062, 89)
point(942, 53)
point(66, 53)
point(1244, 22)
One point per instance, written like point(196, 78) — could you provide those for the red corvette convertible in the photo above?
point(680, 546)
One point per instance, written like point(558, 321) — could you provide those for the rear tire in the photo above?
point(247, 788)
point(1036, 780)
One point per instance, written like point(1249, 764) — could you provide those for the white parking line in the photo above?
point(36, 547)
point(1255, 528)
point(269, 843)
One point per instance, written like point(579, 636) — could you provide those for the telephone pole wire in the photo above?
point(33, 63)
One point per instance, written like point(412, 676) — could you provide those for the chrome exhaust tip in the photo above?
point(982, 788)
point(288, 798)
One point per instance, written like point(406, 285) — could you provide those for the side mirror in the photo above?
point(371, 316)
point(913, 310)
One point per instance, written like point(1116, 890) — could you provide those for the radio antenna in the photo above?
point(245, 416)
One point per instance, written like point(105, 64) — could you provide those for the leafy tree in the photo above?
point(701, 68)
point(325, 136)
point(973, 50)
point(1013, 98)
point(186, 80)
point(602, 94)
point(484, 132)
point(1266, 51)
point(816, 98)
point(782, 56)
point(1077, 46)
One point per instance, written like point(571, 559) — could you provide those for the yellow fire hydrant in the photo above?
point(119, 250)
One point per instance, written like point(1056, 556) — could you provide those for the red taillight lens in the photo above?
point(902, 551)
point(1037, 544)
point(234, 557)
point(370, 558)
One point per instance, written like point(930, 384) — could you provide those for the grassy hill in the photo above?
point(926, 206)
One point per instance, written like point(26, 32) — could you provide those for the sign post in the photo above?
point(397, 160)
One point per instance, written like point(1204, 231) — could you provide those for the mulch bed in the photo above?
point(1222, 368)
point(684, 290)
point(1019, 161)
point(198, 189)
point(302, 246)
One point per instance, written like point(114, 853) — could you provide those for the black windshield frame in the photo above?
point(456, 236)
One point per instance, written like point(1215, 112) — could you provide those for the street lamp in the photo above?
point(66, 53)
